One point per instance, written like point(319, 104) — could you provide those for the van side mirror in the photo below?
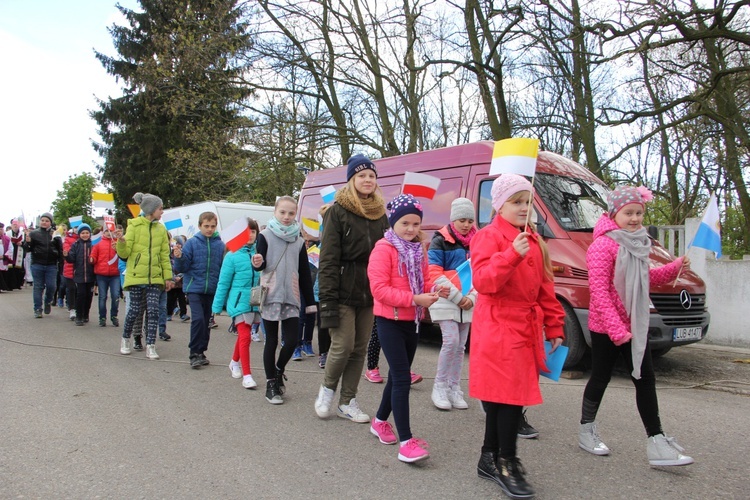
point(653, 232)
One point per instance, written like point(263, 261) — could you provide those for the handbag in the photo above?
point(259, 293)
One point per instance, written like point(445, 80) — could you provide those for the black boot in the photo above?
point(280, 378)
point(487, 468)
point(273, 395)
point(137, 345)
point(512, 478)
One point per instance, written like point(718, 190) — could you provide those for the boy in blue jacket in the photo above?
point(200, 263)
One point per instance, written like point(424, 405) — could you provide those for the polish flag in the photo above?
point(515, 156)
point(328, 194)
point(420, 185)
point(236, 235)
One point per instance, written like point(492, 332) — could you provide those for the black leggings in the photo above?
point(289, 332)
point(501, 428)
point(604, 354)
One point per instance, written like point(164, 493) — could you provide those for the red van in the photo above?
point(568, 201)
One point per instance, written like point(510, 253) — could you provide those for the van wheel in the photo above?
point(574, 339)
point(658, 353)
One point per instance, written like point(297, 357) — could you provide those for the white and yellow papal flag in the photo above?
point(103, 200)
point(516, 155)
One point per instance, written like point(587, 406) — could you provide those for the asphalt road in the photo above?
point(82, 421)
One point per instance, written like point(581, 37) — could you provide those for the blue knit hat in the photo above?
point(403, 204)
point(358, 163)
point(84, 227)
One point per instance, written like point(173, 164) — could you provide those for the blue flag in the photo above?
point(464, 275)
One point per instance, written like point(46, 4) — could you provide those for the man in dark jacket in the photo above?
point(46, 252)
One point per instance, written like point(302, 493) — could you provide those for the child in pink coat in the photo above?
point(401, 291)
point(619, 277)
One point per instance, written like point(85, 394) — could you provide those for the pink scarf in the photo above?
point(464, 240)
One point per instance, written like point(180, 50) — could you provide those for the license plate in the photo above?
point(681, 334)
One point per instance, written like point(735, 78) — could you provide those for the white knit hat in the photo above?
point(462, 208)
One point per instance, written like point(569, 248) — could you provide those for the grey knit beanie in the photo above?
point(462, 208)
point(149, 202)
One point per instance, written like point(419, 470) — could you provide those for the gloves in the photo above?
point(329, 315)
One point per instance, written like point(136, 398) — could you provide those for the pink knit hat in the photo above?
point(506, 186)
point(624, 195)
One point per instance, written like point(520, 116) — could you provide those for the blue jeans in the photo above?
point(108, 285)
point(399, 342)
point(45, 280)
point(200, 312)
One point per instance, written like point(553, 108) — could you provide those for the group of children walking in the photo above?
point(375, 268)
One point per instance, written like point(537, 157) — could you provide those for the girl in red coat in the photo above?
point(401, 291)
point(619, 277)
point(516, 308)
point(105, 260)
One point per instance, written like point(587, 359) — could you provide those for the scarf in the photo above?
point(410, 255)
point(464, 240)
point(632, 283)
point(372, 207)
point(288, 233)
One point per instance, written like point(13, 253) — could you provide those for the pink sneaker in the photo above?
point(413, 451)
point(415, 378)
point(374, 376)
point(384, 432)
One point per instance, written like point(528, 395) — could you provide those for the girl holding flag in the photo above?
point(516, 308)
point(449, 249)
point(619, 280)
point(282, 257)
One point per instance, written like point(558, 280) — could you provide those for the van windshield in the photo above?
point(575, 203)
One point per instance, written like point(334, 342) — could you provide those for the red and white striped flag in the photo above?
point(420, 185)
point(236, 235)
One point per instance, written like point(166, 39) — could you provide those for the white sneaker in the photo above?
point(353, 413)
point(151, 351)
point(72, 314)
point(125, 346)
point(440, 396)
point(248, 382)
point(589, 440)
point(663, 450)
point(323, 402)
point(236, 369)
point(456, 397)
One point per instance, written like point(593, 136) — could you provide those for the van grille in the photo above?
point(579, 273)
point(672, 304)
point(684, 321)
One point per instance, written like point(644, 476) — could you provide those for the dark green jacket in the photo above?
point(346, 243)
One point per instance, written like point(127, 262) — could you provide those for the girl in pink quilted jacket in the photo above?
point(401, 291)
point(619, 277)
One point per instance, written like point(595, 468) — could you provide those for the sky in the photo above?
point(50, 81)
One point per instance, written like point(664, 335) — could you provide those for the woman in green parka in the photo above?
point(145, 246)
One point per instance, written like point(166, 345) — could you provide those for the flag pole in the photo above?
point(531, 205)
point(682, 264)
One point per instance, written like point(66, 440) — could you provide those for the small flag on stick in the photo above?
point(172, 219)
point(134, 209)
point(103, 200)
point(328, 194)
point(420, 185)
point(75, 221)
point(236, 235)
point(515, 156)
point(708, 235)
point(311, 227)
point(95, 239)
point(464, 275)
point(109, 222)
